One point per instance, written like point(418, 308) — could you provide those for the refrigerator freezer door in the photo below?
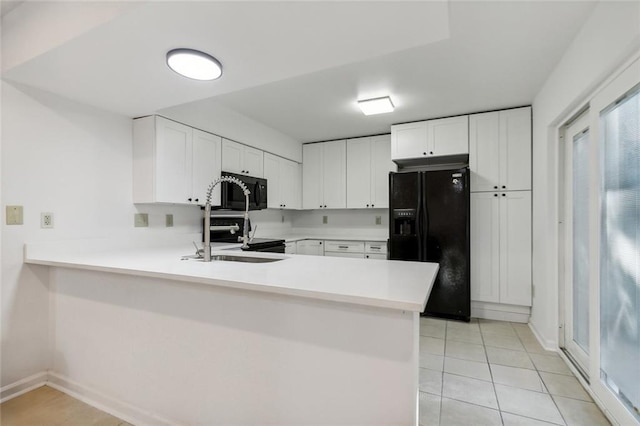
point(404, 224)
point(446, 240)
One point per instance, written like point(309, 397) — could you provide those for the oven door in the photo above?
point(233, 197)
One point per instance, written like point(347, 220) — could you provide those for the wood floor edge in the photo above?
point(23, 386)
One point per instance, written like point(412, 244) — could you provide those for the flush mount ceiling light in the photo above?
point(194, 64)
point(376, 105)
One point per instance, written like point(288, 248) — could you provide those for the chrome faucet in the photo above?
point(232, 229)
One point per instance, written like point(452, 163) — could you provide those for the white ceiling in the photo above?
point(300, 66)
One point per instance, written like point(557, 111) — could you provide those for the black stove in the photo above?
point(266, 244)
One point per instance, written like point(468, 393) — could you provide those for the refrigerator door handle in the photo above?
point(419, 220)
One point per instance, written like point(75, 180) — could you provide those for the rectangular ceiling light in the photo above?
point(376, 105)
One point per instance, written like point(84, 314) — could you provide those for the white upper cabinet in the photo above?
point(242, 159)
point(324, 175)
point(500, 150)
point(173, 163)
point(431, 138)
point(368, 166)
point(207, 164)
point(283, 182)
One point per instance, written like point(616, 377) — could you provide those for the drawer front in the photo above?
point(344, 246)
point(375, 256)
point(352, 255)
point(290, 247)
point(375, 247)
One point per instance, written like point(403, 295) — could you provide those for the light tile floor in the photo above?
point(496, 373)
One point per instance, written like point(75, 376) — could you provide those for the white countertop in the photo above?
point(380, 283)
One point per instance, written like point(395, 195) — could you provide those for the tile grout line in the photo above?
point(444, 357)
point(543, 384)
point(491, 373)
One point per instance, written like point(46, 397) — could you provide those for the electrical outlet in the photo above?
point(46, 220)
point(14, 215)
point(141, 220)
point(168, 222)
point(325, 219)
point(282, 219)
point(378, 220)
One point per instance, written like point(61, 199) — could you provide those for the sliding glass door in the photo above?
point(620, 249)
point(576, 228)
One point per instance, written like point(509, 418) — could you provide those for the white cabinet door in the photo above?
point(484, 151)
point(381, 165)
point(232, 154)
point(409, 140)
point(310, 247)
point(515, 247)
point(359, 173)
point(253, 161)
point(448, 136)
point(289, 184)
point(376, 256)
point(334, 174)
point(501, 247)
point(515, 158)
point(173, 161)
point(485, 246)
point(312, 190)
point(290, 248)
point(241, 159)
point(206, 166)
point(272, 174)
point(339, 254)
point(500, 150)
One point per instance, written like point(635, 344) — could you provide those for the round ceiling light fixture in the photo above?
point(194, 64)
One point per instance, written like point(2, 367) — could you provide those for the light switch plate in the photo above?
point(141, 220)
point(378, 220)
point(14, 215)
point(169, 220)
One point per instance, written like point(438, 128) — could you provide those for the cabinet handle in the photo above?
point(325, 206)
point(495, 195)
point(367, 205)
point(197, 200)
point(504, 195)
point(424, 153)
point(189, 199)
point(343, 247)
point(431, 152)
point(366, 255)
point(320, 243)
point(504, 187)
point(371, 205)
point(495, 187)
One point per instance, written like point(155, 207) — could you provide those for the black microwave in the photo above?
point(232, 197)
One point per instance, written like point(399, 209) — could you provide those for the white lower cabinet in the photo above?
point(310, 247)
point(344, 249)
point(290, 247)
point(375, 250)
point(501, 247)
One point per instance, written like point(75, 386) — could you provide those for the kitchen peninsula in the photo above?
point(300, 340)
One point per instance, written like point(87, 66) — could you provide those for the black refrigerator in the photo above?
point(429, 222)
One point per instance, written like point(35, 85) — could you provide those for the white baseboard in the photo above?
point(117, 408)
point(120, 409)
point(500, 312)
point(547, 345)
point(23, 386)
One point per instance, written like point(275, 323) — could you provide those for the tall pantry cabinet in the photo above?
point(500, 165)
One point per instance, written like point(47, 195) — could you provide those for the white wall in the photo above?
point(210, 116)
point(75, 161)
point(608, 38)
